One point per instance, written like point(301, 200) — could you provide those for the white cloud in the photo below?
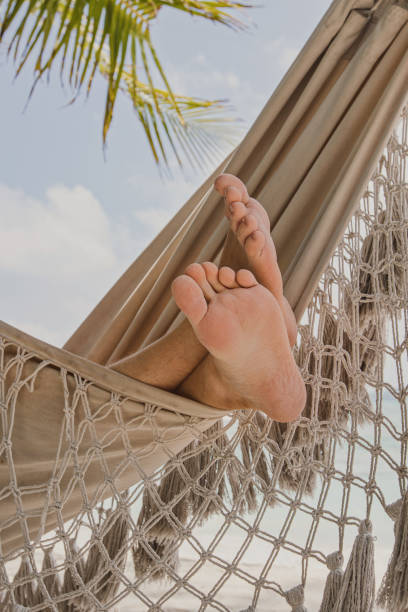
point(68, 233)
point(201, 60)
point(58, 257)
point(160, 201)
point(232, 80)
point(280, 51)
point(198, 78)
point(153, 219)
point(191, 80)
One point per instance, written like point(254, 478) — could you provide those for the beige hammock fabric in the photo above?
point(308, 159)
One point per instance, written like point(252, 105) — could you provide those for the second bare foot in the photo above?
point(250, 223)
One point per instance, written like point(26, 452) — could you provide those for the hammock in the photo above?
point(104, 479)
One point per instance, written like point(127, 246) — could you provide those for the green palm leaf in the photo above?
point(201, 136)
point(109, 36)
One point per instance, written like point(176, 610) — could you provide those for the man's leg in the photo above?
point(166, 362)
point(180, 350)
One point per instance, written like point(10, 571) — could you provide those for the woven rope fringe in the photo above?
point(203, 466)
point(393, 593)
point(333, 582)
point(28, 592)
point(191, 488)
point(100, 573)
point(357, 589)
point(372, 278)
point(308, 448)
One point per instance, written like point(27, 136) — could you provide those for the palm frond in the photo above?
point(207, 9)
point(206, 129)
point(107, 36)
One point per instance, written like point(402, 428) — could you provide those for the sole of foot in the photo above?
point(250, 223)
point(250, 362)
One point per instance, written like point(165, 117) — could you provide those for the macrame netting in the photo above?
point(314, 497)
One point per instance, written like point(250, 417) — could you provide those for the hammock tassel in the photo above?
point(357, 589)
point(199, 465)
point(50, 579)
point(71, 582)
point(25, 592)
point(114, 541)
point(296, 598)
point(210, 467)
point(144, 561)
point(172, 486)
point(248, 449)
point(334, 579)
point(393, 593)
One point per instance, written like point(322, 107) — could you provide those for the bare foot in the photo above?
point(250, 223)
point(241, 324)
point(180, 348)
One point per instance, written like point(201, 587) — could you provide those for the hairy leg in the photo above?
point(166, 362)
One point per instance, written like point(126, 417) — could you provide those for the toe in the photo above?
point(232, 194)
point(254, 244)
point(257, 208)
point(211, 271)
point(246, 227)
point(245, 278)
point(238, 211)
point(290, 321)
point(189, 298)
point(226, 276)
point(226, 180)
point(197, 273)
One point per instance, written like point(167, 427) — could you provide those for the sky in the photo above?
point(72, 218)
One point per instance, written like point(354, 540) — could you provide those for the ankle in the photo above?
point(207, 385)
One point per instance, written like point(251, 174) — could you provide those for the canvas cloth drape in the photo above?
point(307, 158)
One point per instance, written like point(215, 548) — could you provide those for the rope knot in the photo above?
point(295, 598)
point(393, 510)
point(334, 561)
point(365, 527)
